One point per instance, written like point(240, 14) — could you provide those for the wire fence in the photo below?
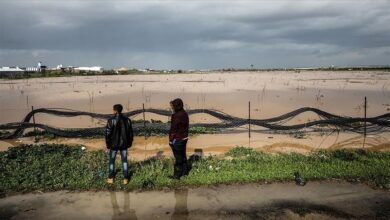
point(227, 123)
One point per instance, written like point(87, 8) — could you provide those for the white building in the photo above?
point(32, 69)
point(90, 69)
point(58, 67)
point(38, 68)
point(11, 71)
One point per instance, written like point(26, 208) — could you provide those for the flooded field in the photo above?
point(316, 200)
point(270, 93)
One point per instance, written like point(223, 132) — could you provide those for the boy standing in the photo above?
point(119, 137)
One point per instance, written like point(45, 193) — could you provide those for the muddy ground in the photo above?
point(316, 200)
point(271, 94)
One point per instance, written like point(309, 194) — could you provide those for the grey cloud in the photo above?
point(194, 34)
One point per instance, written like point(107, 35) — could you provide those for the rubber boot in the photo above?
point(177, 172)
point(185, 168)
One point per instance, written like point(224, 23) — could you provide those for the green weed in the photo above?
point(50, 167)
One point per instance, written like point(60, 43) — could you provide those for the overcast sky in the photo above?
point(195, 34)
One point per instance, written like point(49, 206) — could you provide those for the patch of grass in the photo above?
point(357, 124)
point(301, 211)
point(241, 151)
point(50, 167)
point(148, 131)
point(202, 130)
point(4, 133)
point(40, 134)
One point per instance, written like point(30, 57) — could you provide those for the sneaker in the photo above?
point(110, 180)
point(125, 181)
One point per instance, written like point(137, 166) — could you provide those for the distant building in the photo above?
point(121, 70)
point(11, 72)
point(32, 69)
point(38, 68)
point(97, 69)
point(59, 67)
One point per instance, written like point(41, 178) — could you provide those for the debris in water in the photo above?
point(299, 179)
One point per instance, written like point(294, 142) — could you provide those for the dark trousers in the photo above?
point(111, 166)
point(179, 150)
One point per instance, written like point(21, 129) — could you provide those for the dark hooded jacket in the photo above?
point(179, 121)
point(119, 133)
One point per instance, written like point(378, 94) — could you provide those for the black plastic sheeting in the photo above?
point(353, 124)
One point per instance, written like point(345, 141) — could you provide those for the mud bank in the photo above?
point(316, 200)
point(219, 144)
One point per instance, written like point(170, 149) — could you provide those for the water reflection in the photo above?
point(126, 213)
point(181, 209)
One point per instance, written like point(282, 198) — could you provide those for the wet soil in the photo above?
point(316, 200)
point(271, 94)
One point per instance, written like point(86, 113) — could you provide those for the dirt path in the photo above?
point(316, 200)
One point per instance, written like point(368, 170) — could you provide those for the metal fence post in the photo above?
point(143, 113)
point(365, 120)
point(365, 116)
point(249, 119)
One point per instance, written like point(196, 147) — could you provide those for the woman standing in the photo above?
point(178, 137)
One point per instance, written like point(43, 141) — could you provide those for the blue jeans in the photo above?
point(111, 167)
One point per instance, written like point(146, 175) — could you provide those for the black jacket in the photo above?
point(119, 133)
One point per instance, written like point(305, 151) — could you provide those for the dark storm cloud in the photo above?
point(195, 34)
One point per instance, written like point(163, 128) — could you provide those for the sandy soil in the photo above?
point(316, 200)
point(270, 93)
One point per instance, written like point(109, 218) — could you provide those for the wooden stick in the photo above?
point(35, 128)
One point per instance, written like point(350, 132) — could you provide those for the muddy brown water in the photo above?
point(316, 200)
point(270, 93)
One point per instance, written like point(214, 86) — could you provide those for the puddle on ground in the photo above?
point(323, 200)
